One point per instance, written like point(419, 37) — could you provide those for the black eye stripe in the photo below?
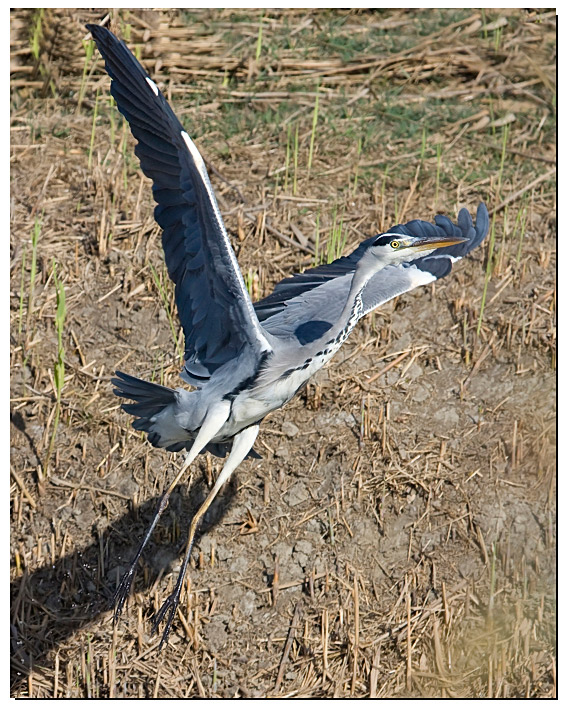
point(386, 240)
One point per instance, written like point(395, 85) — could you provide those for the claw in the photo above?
point(122, 592)
point(169, 605)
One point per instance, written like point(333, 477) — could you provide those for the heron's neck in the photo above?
point(353, 309)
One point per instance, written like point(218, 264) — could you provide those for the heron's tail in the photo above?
point(149, 400)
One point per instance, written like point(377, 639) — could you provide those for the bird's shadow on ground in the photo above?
point(51, 603)
point(18, 421)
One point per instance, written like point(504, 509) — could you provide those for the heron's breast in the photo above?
point(247, 408)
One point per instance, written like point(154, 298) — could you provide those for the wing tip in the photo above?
point(482, 222)
point(478, 230)
point(99, 32)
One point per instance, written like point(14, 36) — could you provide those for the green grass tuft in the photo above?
point(337, 238)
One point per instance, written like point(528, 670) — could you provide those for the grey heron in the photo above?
point(245, 360)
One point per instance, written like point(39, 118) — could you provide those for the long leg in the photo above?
point(242, 444)
point(212, 423)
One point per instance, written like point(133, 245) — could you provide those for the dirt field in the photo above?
point(398, 536)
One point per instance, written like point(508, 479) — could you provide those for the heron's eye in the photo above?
point(395, 244)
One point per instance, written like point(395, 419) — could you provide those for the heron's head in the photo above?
point(395, 248)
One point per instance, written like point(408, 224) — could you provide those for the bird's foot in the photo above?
point(122, 592)
point(169, 607)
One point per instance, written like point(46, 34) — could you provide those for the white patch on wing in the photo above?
point(196, 155)
point(152, 85)
point(200, 165)
point(418, 277)
point(452, 258)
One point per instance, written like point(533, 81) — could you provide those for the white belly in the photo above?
point(252, 405)
point(255, 404)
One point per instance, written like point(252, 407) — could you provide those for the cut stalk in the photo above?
point(295, 158)
point(91, 146)
point(59, 369)
point(33, 271)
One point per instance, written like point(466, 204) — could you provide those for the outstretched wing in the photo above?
point(306, 305)
point(214, 307)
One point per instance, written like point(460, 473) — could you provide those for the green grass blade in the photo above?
point(166, 304)
point(91, 146)
point(88, 46)
point(487, 274)
point(313, 129)
point(295, 158)
point(259, 40)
